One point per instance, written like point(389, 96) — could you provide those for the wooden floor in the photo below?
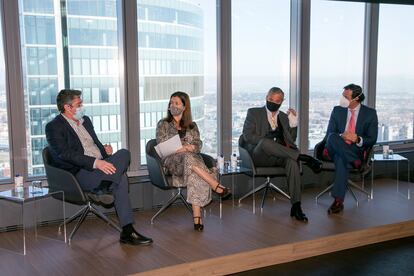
point(240, 240)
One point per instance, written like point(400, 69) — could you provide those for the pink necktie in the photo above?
point(351, 125)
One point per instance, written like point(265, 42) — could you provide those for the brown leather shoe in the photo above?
point(336, 207)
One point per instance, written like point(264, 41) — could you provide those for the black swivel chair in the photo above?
point(255, 171)
point(61, 180)
point(357, 174)
point(162, 180)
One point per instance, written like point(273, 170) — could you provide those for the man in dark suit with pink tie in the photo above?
point(352, 129)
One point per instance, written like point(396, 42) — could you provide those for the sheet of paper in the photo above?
point(169, 146)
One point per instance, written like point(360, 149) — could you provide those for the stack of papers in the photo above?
point(169, 146)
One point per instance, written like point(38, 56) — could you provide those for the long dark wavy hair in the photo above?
point(186, 119)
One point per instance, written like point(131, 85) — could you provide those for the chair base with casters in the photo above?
point(162, 180)
point(268, 185)
point(178, 196)
point(267, 172)
point(351, 185)
point(62, 180)
point(83, 213)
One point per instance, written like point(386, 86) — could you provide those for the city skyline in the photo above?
point(177, 45)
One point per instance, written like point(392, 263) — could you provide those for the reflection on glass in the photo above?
point(177, 52)
point(336, 58)
point(260, 56)
point(4, 127)
point(395, 81)
point(92, 46)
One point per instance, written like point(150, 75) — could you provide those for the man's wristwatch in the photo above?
point(358, 140)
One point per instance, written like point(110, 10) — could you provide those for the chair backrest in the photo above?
point(366, 165)
point(61, 180)
point(156, 170)
point(246, 159)
point(154, 166)
point(318, 149)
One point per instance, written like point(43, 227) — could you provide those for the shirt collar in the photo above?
point(356, 109)
point(72, 122)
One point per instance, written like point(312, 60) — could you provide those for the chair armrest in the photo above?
point(156, 172)
point(318, 150)
point(208, 160)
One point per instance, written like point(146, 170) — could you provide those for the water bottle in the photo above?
point(220, 162)
point(18, 182)
point(233, 161)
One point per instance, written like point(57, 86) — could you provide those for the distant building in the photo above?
point(170, 43)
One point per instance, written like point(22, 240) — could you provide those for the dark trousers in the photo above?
point(269, 153)
point(343, 155)
point(90, 180)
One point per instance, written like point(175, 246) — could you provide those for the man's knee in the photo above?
point(121, 159)
point(265, 144)
point(125, 154)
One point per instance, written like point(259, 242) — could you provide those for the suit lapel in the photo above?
point(342, 117)
point(69, 128)
point(264, 122)
point(360, 120)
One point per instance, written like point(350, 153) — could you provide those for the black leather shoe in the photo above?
point(314, 164)
point(296, 211)
point(101, 197)
point(336, 207)
point(134, 238)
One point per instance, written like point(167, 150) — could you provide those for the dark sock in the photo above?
point(128, 229)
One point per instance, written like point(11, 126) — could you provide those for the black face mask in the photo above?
point(273, 107)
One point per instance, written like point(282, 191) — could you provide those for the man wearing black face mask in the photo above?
point(270, 136)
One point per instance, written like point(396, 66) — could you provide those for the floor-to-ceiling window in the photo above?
point(336, 58)
point(177, 52)
point(69, 44)
point(4, 126)
point(395, 77)
point(260, 56)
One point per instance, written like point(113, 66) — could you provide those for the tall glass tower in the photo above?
point(170, 48)
point(74, 44)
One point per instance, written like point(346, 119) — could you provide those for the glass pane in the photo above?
point(92, 47)
point(395, 79)
point(93, 63)
point(336, 58)
point(260, 56)
point(42, 77)
point(4, 127)
point(177, 52)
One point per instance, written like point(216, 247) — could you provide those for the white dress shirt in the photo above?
point(293, 120)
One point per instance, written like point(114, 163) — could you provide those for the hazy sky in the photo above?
point(261, 33)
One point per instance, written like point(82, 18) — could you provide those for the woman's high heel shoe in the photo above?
point(198, 226)
point(225, 193)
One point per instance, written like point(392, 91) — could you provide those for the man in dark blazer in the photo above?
point(75, 147)
point(270, 137)
point(352, 129)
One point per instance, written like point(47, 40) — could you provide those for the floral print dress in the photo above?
point(179, 165)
